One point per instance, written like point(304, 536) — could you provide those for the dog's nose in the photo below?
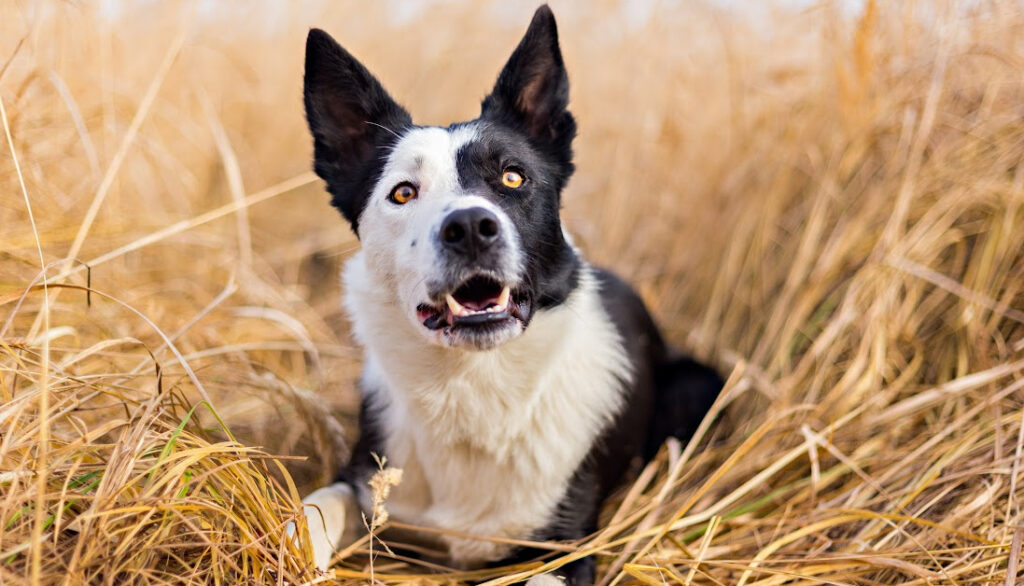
point(469, 230)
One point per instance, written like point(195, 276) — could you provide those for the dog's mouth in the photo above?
point(480, 301)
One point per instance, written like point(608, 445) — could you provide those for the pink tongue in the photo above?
point(477, 305)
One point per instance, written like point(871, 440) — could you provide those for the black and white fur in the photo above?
point(512, 414)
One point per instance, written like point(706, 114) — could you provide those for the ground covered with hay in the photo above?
point(826, 203)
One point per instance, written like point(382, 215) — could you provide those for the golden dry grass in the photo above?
point(829, 207)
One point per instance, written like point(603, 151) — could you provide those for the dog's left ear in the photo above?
point(532, 91)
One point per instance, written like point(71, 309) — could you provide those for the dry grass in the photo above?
point(830, 207)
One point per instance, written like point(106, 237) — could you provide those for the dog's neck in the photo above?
point(486, 398)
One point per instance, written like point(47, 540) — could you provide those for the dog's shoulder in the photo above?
point(625, 436)
point(627, 311)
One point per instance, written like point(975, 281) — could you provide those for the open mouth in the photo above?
point(477, 301)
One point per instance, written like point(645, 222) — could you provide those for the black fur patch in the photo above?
point(552, 267)
point(362, 464)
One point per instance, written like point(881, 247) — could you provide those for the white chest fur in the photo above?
point(488, 441)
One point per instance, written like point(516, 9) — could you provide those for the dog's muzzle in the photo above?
point(477, 297)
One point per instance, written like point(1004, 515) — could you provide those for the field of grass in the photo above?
point(828, 206)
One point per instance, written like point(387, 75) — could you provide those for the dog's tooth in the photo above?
point(454, 306)
point(504, 297)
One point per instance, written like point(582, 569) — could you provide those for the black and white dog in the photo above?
point(513, 383)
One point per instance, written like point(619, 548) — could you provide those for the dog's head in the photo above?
point(459, 226)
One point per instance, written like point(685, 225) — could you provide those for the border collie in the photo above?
point(513, 383)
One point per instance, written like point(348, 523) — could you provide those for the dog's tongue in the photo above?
point(478, 304)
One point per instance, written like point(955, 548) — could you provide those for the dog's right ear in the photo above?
point(352, 119)
point(532, 91)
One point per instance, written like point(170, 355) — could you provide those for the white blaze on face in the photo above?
point(401, 241)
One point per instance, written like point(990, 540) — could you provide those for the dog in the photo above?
point(513, 383)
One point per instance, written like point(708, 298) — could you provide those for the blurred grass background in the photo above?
point(823, 199)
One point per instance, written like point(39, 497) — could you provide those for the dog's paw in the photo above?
point(327, 511)
point(545, 580)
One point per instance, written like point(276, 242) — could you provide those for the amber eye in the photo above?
point(511, 178)
point(403, 193)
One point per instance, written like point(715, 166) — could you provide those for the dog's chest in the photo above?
point(489, 442)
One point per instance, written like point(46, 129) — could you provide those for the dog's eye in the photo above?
point(511, 178)
point(403, 193)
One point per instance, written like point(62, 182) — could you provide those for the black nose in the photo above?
point(469, 230)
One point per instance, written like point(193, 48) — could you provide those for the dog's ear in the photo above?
point(351, 117)
point(532, 91)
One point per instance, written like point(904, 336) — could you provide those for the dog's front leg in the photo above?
point(576, 517)
point(333, 517)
